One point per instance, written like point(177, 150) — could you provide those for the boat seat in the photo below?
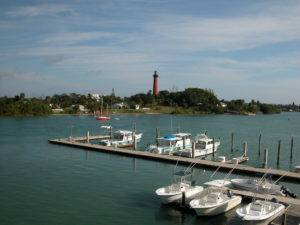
point(211, 198)
point(255, 207)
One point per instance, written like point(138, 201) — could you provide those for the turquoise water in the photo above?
point(42, 183)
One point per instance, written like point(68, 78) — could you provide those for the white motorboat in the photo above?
point(218, 183)
point(181, 188)
point(258, 186)
point(171, 143)
point(121, 138)
point(259, 210)
point(215, 202)
point(203, 146)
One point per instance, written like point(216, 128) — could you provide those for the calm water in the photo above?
point(42, 183)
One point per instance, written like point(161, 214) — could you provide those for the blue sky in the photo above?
point(239, 49)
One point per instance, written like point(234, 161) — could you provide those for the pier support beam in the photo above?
point(265, 163)
point(232, 141)
point(213, 153)
point(157, 136)
point(278, 152)
point(245, 148)
point(134, 142)
point(193, 149)
point(259, 144)
point(292, 145)
point(183, 199)
point(87, 137)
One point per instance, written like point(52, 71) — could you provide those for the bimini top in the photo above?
point(182, 173)
point(170, 136)
point(181, 135)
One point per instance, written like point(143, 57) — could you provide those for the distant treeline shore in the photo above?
point(189, 101)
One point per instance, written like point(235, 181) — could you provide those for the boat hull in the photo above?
point(254, 215)
point(176, 197)
point(217, 209)
point(270, 189)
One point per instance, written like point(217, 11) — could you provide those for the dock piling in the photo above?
point(278, 152)
point(134, 142)
point(87, 137)
point(245, 148)
point(265, 163)
point(292, 145)
point(213, 148)
point(259, 144)
point(183, 199)
point(232, 141)
point(157, 136)
point(193, 149)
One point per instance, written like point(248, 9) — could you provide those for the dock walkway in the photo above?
point(173, 159)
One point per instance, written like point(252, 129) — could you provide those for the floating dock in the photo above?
point(290, 215)
point(83, 142)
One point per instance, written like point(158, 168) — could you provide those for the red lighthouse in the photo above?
point(155, 83)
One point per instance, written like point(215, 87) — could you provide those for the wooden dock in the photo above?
point(79, 143)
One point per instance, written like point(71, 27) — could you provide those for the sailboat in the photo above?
point(103, 116)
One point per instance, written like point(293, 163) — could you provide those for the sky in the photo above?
point(240, 49)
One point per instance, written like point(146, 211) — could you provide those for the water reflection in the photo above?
point(181, 216)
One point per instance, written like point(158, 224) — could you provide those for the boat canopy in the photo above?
point(169, 136)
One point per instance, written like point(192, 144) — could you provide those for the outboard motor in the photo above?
point(287, 192)
point(193, 183)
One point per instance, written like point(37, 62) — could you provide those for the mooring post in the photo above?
point(183, 199)
point(87, 137)
point(292, 145)
point(278, 152)
point(183, 139)
point(157, 136)
point(193, 149)
point(134, 142)
point(245, 148)
point(265, 163)
point(259, 144)
point(213, 153)
point(232, 141)
point(134, 127)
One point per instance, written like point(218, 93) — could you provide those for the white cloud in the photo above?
point(40, 10)
point(75, 37)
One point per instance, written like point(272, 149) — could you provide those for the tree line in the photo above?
point(191, 100)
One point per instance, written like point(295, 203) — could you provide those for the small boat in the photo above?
point(258, 186)
point(218, 183)
point(171, 143)
point(204, 146)
point(103, 117)
point(260, 210)
point(215, 202)
point(121, 138)
point(181, 186)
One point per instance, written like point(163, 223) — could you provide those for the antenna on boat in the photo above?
point(259, 183)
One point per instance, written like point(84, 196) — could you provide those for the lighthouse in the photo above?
point(155, 83)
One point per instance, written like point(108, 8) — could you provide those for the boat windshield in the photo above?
point(164, 142)
point(201, 145)
point(118, 136)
